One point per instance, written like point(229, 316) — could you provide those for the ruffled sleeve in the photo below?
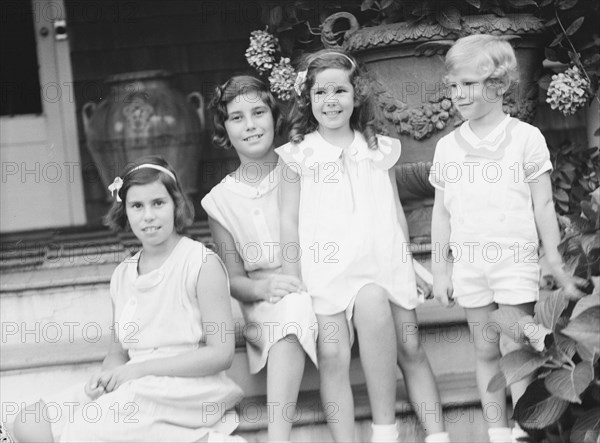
point(309, 155)
point(384, 157)
point(388, 153)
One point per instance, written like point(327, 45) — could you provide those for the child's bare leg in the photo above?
point(508, 345)
point(333, 354)
point(418, 375)
point(285, 367)
point(487, 356)
point(30, 425)
point(376, 338)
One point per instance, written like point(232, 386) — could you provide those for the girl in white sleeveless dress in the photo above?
point(164, 376)
point(243, 212)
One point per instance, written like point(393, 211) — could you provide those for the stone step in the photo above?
point(460, 402)
point(461, 410)
point(55, 315)
point(37, 370)
point(62, 317)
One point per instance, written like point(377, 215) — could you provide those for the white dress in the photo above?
point(157, 316)
point(348, 227)
point(251, 215)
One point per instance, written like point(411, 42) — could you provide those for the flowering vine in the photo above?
point(568, 91)
point(261, 55)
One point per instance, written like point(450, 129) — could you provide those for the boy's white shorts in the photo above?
point(495, 278)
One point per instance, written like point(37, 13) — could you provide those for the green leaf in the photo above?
point(585, 329)
point(497, 382)
point(565, 345)
point(449, 18)
point(585, 303)
point(557, 40)
point(544, 81)
point(386, 3)
point(561, 196)
point(366, 5)
point(519, 364)
point(276, 16)
point(574, 27)
point(537, 408)
point(587, 427)
point(589, 211)
point(591, 61)
point(568, 384)
point(586, 354)
point(522, 3)
point(475, 3)
point(567, 4)
point(549, 309)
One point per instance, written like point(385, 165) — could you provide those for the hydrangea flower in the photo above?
point(282, 79)
point(261, 52)
point(568, 91)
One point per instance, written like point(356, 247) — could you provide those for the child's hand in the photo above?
point(93, 389)
point(424, 280)
point(571, 287)
point(424, 287)
point(279, 285)
point(112, 378)
point(443, 291)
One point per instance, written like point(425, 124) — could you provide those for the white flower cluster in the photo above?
point(261, 52)
point(282, 79)
point(261, 56)
point(568, 91)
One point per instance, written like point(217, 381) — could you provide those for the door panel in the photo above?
point(41, 182)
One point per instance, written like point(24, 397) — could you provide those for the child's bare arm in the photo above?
point(422, 283)
point(217, 353)
point(116, 357)
point(399, 210)
point(243, 288)
point(440, 238)
point(289, 208)
point(547, 227)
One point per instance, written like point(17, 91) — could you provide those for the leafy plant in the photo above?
point(561, 347)
point(576, 174)
point(574, 41)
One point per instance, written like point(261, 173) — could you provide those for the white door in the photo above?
point(41, 184)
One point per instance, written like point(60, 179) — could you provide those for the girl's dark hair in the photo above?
point(116, 218)
point(302, 120)
point(242, 87)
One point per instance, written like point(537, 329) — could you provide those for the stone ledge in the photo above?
point(455, 390)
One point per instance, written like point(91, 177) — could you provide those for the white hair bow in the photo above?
point(300, 79)
point(116, 185)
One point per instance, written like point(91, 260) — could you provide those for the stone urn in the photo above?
point(406, 64)
point(144, 115)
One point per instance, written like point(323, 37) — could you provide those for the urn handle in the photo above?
point(86, 114)
point(196, 99)
point(329, 37)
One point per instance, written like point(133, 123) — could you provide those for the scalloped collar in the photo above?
point(384, 157)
